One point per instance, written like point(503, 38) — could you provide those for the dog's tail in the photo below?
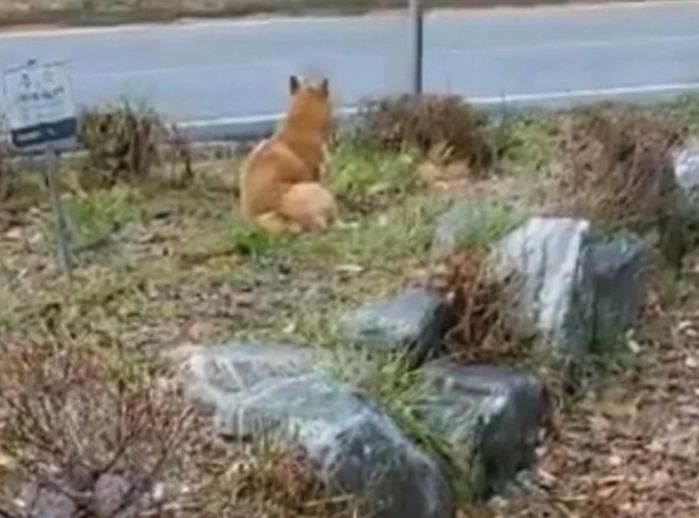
point(309, 205)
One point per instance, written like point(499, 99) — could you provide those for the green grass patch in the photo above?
point(524, 144)
point(401, 392)
point(381, 241)
point(364, 179)
point(97, 216)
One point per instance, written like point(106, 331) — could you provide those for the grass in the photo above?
point(490, 220)
point(158, 262)
point(365, 179)
point(401, 393)
point(98, 217)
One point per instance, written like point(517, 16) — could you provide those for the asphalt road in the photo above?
point(224, 76)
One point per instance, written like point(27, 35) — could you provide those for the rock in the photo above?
point(42, 502)
point(618, 276)
point(490, 416)
point(108, 497)
point(256, 390)
point(687, 172)
point(571, 290)
point(413, 323)
point(550, 294)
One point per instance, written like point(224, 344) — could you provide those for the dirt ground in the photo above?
point(158, 267)
point(631, 449)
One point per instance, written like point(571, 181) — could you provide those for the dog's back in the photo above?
point(293, 155)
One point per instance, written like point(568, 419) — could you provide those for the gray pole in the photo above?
point(416, 46)
point(60, 219)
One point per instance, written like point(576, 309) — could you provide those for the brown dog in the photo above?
point(280, 180)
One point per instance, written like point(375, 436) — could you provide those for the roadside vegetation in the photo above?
point(105, 12)
point(162, 260)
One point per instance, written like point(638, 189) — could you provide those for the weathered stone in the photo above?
point(357, 448)
point(568, 288)
point(490, 416)
point(618, 276)
point(108, 497)
point(550, 294)
point(43, 502)
point(687, 172)
point(413, 323)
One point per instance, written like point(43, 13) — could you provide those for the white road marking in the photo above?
point(617, 91)
point(614, 91)
point(652, 40)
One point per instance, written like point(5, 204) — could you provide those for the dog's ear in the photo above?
point(294, 84)
point(325, 87)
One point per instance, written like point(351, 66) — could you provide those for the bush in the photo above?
point(480, 333)
point(431, 124)
point(124, 143)
point(616, 167)
point(88, 434)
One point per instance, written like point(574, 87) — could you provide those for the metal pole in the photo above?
point(416, 46)
point(59, 216)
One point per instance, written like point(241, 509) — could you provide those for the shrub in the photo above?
point(615, 166)
point(431, 124)
point(124, 143)
point(88, 434)
point(480, 332)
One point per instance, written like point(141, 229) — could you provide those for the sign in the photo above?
point(41, 115)
point(40, 107)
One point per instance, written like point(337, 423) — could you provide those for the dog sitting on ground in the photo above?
point(280, 188)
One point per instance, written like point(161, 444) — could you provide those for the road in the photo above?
point(217, 77)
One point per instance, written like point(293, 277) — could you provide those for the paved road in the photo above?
point(219, 74)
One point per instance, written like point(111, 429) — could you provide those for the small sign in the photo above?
point(40, 106)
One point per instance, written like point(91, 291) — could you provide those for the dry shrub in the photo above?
point(84, 439)
point(83, 434)
point(441, 126)
point(480, 333)
point(125, 143)
point(616, 166)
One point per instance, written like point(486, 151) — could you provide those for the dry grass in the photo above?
point(480, 333)
point(126, 142)
point(616, 166)
point(88, 434)
point(86, 431)
point(441, 127)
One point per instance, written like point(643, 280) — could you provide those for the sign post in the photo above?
point(42, 118)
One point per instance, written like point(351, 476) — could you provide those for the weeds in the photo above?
point(616, 166)
point(95, 435)
point(95, 217)
point(124, 143)
point(401, 392)
point(480, 333)
point(366, 180)
point(81, 436)
point(524, 145)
